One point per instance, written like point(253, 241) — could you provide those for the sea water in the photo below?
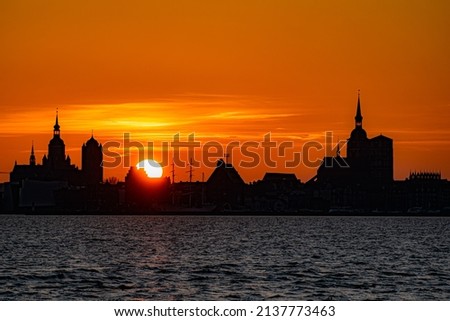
point(224, 258)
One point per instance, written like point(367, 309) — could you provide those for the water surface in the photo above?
point(224, 258)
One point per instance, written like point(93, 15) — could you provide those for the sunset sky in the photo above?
point(226, 71)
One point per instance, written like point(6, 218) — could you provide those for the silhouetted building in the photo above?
point(142, 192)
point(426, 190)
point(55, 166)
point(56, 159)
point(369, 162)
point(35, 184)
point(225, 187)
point(276, 192)
point(34, 193)
point(333, 170)
point(32, 156)
point(91, 161)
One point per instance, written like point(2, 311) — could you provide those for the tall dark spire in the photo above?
point(56, 128)
point(32, 157)
point(358, 117)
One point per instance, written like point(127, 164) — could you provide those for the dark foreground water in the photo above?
point(224, 258)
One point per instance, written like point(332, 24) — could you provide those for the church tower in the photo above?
point(358, 140)
point(371, 160)
point(56, 158)
point(32, 157)
point(91, 161)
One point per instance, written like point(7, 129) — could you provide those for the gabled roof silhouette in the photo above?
point(381, 137)
point(225, 171)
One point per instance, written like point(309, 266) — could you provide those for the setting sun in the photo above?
point(151, 168)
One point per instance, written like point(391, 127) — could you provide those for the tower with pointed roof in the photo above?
point(56, 158)
point(358, 117)
point(358, 141)
point(32, 156)
point(369, 161)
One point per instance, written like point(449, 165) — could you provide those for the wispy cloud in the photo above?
point(206, 115)
point(239, 115)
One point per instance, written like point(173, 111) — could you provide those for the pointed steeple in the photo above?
point(32, 157)
point(56, 127)
point(358, 117)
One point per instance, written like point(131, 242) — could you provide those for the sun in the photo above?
point(151, 168)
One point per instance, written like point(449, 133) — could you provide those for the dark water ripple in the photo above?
point(224, 258)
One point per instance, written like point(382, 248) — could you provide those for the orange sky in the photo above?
point(226, 70)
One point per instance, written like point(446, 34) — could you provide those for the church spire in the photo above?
point(56, 127)
point(32, 157)
point(358, 117)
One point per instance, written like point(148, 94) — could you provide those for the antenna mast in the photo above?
point(173, 172)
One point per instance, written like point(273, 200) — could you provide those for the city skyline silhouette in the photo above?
point(361, 182)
